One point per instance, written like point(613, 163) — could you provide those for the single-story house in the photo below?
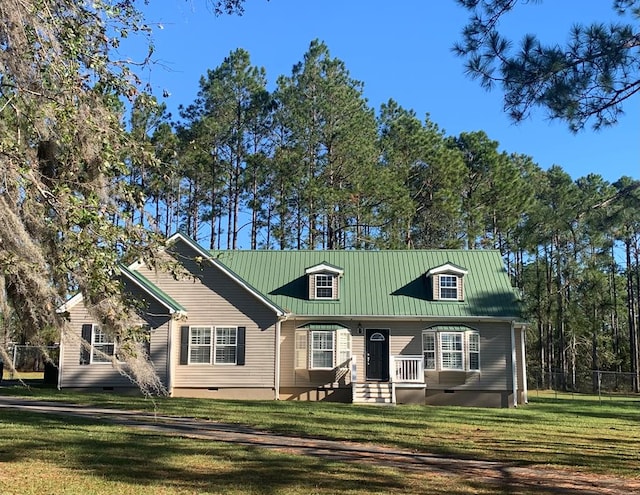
point(403, 326)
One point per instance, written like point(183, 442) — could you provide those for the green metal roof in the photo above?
point(377, 283)
point(153, 290)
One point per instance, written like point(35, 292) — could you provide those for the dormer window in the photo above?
point(449, 287)
point(324, 286)
point(324, 281)
point(447, 282)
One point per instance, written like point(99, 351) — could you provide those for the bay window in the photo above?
point(451, 349)
point(322, 349)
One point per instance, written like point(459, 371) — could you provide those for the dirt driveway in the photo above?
point(508, 477)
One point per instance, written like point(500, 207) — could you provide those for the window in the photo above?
point(323, 281)
point(226, 341)
point(451, 350)
point(212, 345)
point(474, 351)
point(449, 287)
point(103, 347)
point(429, 350)
point(200, 345)
point(324, 286)
point(322, 349)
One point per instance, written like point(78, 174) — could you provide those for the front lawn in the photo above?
point(578, 432)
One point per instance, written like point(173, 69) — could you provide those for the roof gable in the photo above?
point(448, 267)
point(213, 259)
point(324, 267)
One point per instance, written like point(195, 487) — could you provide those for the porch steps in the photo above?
point(373, 393)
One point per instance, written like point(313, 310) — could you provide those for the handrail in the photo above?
point(407, 369)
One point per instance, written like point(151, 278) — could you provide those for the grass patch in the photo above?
point(570, 432)
point(48, 454)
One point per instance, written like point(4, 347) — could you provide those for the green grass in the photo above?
point(572, 433)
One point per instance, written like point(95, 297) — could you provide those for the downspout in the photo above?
point(169, 358)
point(525, 389)
point(61, 358)
point(276, 371)
point(514, 371)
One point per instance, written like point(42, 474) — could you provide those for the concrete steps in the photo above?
point(373, 393)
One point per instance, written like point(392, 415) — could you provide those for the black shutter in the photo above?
point(85, 353)
point(184, 345)
point(240, 345)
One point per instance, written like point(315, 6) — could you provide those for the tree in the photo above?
point(62, 151)
point(431, 172)
point(591, 77)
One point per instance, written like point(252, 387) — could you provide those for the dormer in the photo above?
point(447, 282)
point(324, 282)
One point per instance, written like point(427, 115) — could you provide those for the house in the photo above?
point(414, 326)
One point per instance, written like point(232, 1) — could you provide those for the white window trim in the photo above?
point(322, 276)
point(216, 345)
point(312, 350)
point(95, 346)
point(430, 336)
point(209, 345)
point(466, 350)
point(457, 286)
point(340, 352)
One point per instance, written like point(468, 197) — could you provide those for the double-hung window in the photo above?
point(451, 350)
point(103, 347)
point(212, 345)
point(429, 350)
point(449, 287)
point(324, 286)
point(226, 342)
point(322, 349)
point(200, 345)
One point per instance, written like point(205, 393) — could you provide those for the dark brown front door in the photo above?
point(377, 349)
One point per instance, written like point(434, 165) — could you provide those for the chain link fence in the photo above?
point(583, 382)
point(34, 361)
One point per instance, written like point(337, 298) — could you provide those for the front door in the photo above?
point(377, 355)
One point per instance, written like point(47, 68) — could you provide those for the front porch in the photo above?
point(405, 378)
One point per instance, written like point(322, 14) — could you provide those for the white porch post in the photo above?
point(514, 368)
point(276, 374)
point(525, 388)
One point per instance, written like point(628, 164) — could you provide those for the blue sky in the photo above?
point(399, 50)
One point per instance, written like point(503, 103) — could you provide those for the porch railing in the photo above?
point(402, 369)
point(407, 369)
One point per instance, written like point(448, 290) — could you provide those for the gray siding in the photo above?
point(212, 298)
point(75, 375)
point(406, 339)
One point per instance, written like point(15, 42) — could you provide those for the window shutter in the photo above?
point(301, 358)
point(344, 347)
point(240, 345)
point(436, 287)
point(184, 345)
point(460, 289)
point(85, 353)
